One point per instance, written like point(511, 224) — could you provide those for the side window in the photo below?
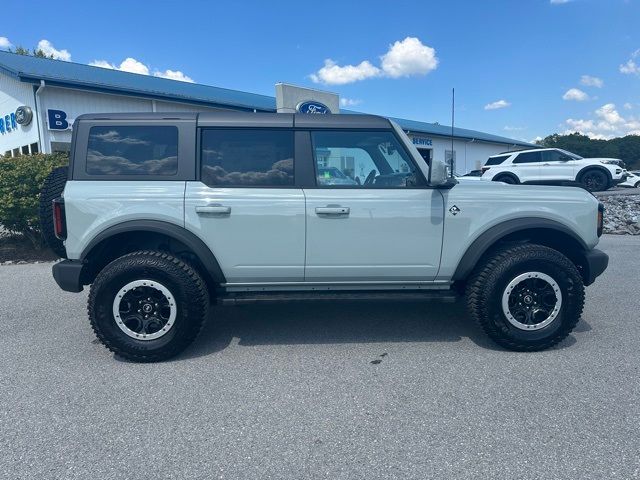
point(362, 159)
point(247, 158)
point(528, 157)
point(554, 156)
point(132, 150)
point(497, 160)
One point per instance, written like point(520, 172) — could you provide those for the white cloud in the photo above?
point(608, 123)
point(628, 106)
point(349, 102)
point(129, 64)
point(132, 65)
point(409, 57)
point(173, 75)
point(558, 2)
point(575, 94)
point(631, 67)
point(334, 74)
point(590, 81)
point(609, 114)
point(49, 50)
point(509, 128)
point(5, 44)
point(497, 105)
point(403, 59)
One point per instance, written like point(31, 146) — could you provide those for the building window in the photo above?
point(139, 150)
point(450, 160)
point(252, 158)
point(16, 152)
point(7, 153)
point(34, 148)
point(60, 147)
point(25, 150)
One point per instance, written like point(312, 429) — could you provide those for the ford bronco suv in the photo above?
point(165, 214)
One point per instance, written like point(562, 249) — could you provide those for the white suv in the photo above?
point(553, 165)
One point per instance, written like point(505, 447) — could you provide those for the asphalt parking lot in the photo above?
point(339, 391)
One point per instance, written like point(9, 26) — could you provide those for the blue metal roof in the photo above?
point(68, 74)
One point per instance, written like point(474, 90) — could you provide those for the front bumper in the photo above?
point(596, 262)
point(67, 275)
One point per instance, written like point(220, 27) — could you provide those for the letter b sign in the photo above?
point(57, 120)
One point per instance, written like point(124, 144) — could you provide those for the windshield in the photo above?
point(572, 155)
point(412, 149)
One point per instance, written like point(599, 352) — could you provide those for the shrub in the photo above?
point(21, 179)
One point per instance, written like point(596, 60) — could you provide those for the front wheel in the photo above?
point(147, 306)
point(594, 180)
point(526, 297)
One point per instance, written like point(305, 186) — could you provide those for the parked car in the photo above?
point(553, 166)
point(632, 180)
point(164, 214)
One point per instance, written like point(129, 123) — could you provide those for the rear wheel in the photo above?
point(594, 180)
point(147, 306)
point(526, 297)
point(51, 189)
point(507, 179)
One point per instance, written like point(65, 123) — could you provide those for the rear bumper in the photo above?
point(596, 262)
point(67, 275)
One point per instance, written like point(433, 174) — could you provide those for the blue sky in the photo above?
point(520, 55)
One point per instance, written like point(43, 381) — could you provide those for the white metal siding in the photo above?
point(13, 94)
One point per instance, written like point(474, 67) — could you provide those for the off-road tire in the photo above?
point(186, 285)
point(52, 189)
point(490, 279)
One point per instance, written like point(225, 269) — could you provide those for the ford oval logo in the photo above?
point(312, 107)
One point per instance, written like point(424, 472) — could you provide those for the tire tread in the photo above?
point(489, 270)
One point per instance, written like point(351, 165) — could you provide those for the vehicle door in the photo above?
point(376, 222)
point(527, 166)
point(245, 205)
point(556, 165)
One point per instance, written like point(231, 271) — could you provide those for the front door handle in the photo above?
point(213, 210)
point(333, 211)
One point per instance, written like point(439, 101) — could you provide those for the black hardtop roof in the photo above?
point(244, 119)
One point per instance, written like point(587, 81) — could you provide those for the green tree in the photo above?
point(625, 148)
point(36, 52)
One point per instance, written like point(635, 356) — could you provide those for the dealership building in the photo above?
point(40, 98)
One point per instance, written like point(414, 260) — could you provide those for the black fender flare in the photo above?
point(181, 234)
point(487, 239)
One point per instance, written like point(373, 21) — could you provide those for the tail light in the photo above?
point(600, 218)
point(59, 220)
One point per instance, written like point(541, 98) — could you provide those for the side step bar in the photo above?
point(243, 298)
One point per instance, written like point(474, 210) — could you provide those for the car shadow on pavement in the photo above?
point(341, 322)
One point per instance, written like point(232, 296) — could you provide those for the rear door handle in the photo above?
point(333, 211)
point(213, 210)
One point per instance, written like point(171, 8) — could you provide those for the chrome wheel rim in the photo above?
point(144, 309)
point(532, 301)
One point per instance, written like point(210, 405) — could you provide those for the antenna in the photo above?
point(453, 119)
